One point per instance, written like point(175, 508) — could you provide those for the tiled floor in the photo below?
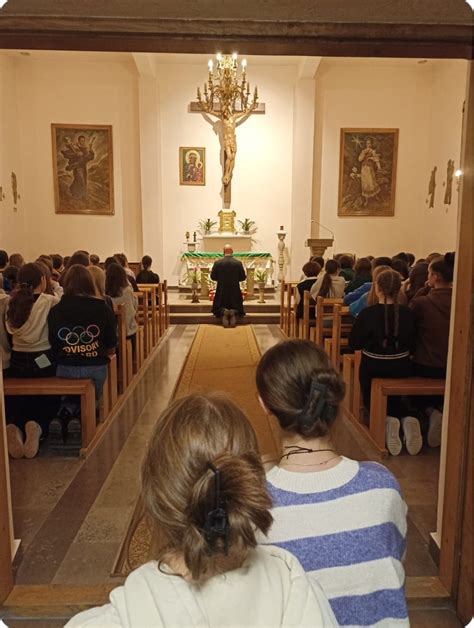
point(72, 515)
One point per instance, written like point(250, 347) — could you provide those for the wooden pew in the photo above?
point(112, 381)
point(145, 322)
point(166, 304)
point(324, 314)
point(340, 333)
point(383, 388)
point(154, 312)
point(306, 322)
point(294, 323)
point(60, 386)
point(122, 350)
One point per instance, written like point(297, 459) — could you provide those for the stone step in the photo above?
point(206, 306)
point(195, 318)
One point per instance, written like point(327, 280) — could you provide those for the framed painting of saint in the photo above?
point(192, 165)
point(367, 172)
point(83, 169)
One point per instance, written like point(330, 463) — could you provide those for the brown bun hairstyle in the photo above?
point(298, 384)
point(178, 484)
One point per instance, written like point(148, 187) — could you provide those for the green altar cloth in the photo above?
point(187, 256)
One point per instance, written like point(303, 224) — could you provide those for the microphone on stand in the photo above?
point(327, 229)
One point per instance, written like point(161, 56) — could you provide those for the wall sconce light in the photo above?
point(458, 175)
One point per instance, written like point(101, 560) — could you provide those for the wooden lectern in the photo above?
point(318, 246)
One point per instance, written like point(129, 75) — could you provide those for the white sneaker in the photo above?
point(15, 441)
point(434, 430)
point(392, 435)
point(412, 435)
point(33, 435)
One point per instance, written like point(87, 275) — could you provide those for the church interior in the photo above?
point(106, 146)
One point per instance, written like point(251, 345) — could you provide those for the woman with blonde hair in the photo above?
point(98, 277)
point(204, 487)
point(368, 298)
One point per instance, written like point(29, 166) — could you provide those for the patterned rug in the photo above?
point(219, 360)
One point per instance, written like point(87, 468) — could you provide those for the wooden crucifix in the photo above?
point(228, 138)
point(227, 98)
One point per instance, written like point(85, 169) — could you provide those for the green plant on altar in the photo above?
point(247, 226)
point(192, 277)
point(205, 227)
point(261, 276)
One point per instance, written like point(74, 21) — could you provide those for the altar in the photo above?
point(205, 260)
point(216, 241)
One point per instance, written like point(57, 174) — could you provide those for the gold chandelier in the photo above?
point(228, 88)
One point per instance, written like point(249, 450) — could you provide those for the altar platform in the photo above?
point(183, 312)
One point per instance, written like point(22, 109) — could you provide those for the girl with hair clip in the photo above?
point(27, 321)
point(432, 309)
point(385, 333)
point(203, 485)
point(329, 284)
point(344, 520)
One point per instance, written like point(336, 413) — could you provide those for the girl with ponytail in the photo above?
point(27, 321)
point(203, 486)
point(329, 284)
point(385, 333)
point(344, 520)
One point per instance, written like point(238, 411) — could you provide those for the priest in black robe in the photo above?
point(228, 272)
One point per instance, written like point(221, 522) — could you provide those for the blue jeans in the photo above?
point(96, 373)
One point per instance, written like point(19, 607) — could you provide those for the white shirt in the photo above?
point(269, 590)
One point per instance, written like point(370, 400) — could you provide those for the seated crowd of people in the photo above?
point(57, 318)
point(311, 538)
point(400, 309)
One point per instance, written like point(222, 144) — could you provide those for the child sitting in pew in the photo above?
point(358, 292)
point(344, 520)
point(386, 335)
point(311, 271)
point(362, 275)
point(146, 275)
point(82, 333)
point(432, 309)
point(28, 417)
point(329, 284)
point(118, 288)
point(204, 488)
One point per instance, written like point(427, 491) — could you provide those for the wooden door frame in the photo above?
point(330, 39)
point(460, 367)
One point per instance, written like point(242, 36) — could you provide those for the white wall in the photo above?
point(448, 90)
point(55, 91)
point(262, 178)
point(390, 94)
point(287, 163)
point(12, 231)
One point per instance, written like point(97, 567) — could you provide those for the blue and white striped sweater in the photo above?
point(347, 527)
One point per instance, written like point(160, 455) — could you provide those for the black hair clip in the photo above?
point(216, 525)
point(317, 405)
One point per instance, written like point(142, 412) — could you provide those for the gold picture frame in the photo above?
point(192, 165)
point(367, 172)
point(83, 168)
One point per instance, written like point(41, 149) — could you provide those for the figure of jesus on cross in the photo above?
point(227, 97)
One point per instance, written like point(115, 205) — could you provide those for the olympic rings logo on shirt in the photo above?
point(78, 334)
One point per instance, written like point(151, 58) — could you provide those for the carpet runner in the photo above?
point(219, 360)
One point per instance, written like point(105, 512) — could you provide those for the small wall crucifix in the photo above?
point(227, 97)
